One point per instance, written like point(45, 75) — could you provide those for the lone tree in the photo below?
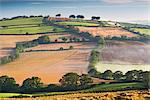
point(33, 84)
point(70, 80)
point(72, 16)
point(58, 15)
point(71, 47)
point(95, 18)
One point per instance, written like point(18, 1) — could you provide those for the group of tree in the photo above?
point(27, 44)
point(72, 39)
point(21, 46)
point(95, 18)
point(133, 75)
point(70, 81)
point(94, 59)
point(9, 58)
point(73, 81)
point(24, 16)
point(78, 16)
point(71, 30)
point(142, 38)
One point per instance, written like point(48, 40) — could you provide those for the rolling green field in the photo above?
point(9, 95)
point(30, 30)
point(131, 25)
point(78, 24)
point(96, 88)
point(21, 21)
point(142, 30)
point(114, 87)
point(26, 25)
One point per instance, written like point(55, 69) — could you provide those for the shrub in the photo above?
point(61, 48)
point(71, 47)
point(43, 39)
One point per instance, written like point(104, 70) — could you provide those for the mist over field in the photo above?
point(125, 56)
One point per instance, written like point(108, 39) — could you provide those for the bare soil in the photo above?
point(49, 65)
point(107, 31)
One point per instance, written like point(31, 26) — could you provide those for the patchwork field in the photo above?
point(106, 31)
point(26, 26)
point(78, 23)
point(142, 30)
point(8, 42)
point(21, 21)
point(47, 64)
point(124, 56)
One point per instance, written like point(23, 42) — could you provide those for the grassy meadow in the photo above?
point(78, 23)
point(142, 30)
point(26, 26)
point(29, 30)
point(95, 88)
point(21, 21)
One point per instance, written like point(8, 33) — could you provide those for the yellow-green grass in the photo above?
point(101, 67)
point(21, 21)
point(8, 95)
point(29, 30)
point(142, 30)
point(23, 26)
point(96, 88)
point(78, 23)
point(115, 87)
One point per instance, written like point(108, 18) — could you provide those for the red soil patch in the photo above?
point(49, 65)
point(106, 31)
point(8, 42)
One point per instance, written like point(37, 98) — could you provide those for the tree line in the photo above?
point(71, 81)
point(21, 46)
point(73, 30)
point(130, 76)
point(68, 82)
point(142, 38)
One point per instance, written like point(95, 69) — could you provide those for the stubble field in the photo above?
point(49, 65)
point(106, 31)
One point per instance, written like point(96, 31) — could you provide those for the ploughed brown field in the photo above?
point(126, 52)
point(44, 62)
point(8, 42)
point(107, 31)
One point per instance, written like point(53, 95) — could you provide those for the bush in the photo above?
point(43, 39)
point(71, 47)
point(61, 48)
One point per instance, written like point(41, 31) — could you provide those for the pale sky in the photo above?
point(119, 10)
